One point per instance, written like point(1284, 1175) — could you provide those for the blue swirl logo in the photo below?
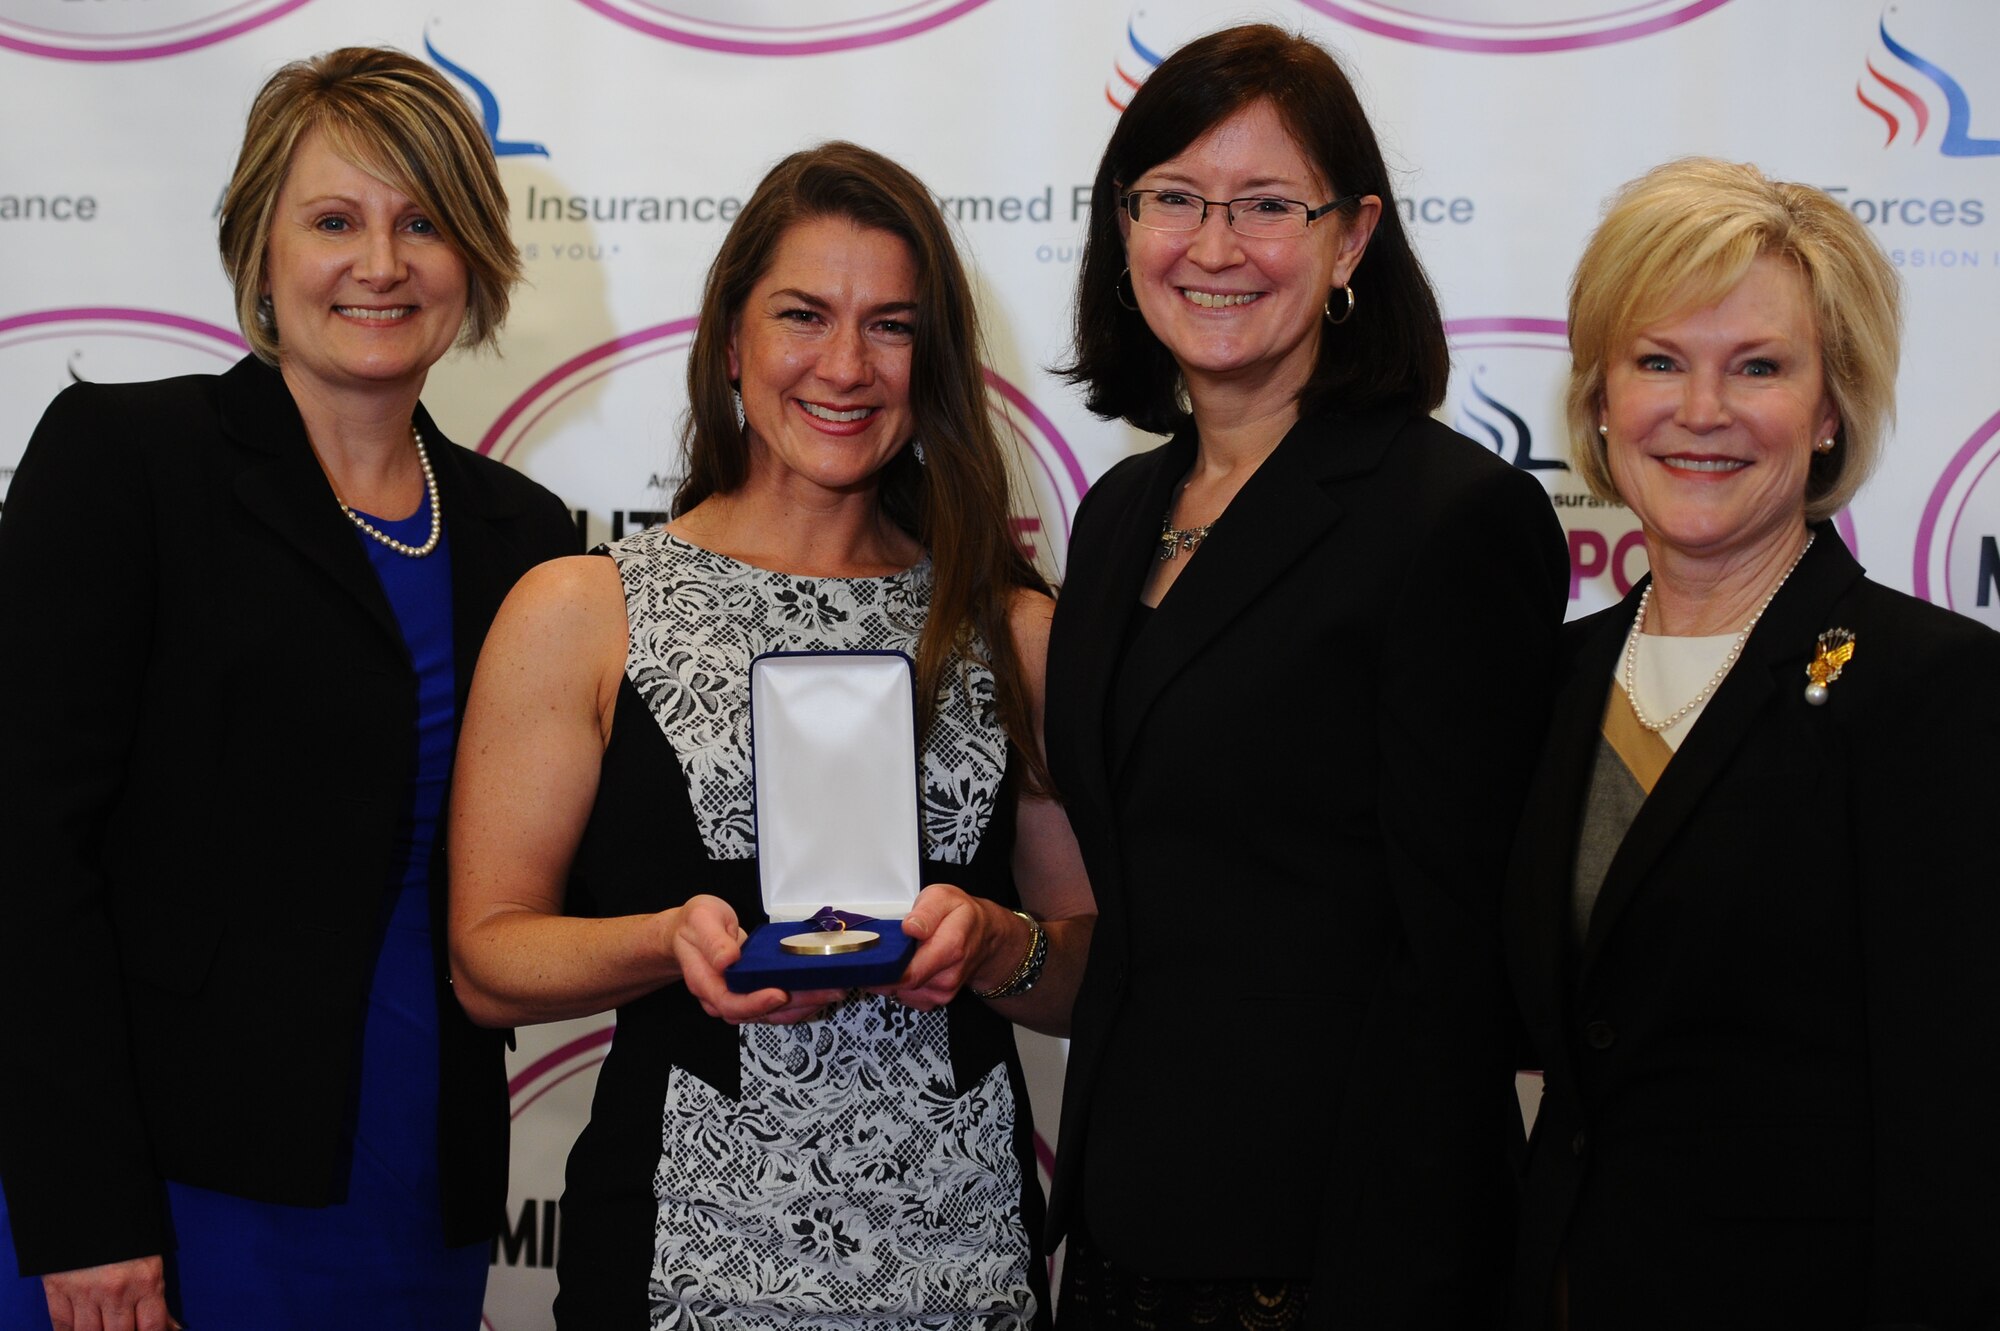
point(1506, 431)
point(489, 106)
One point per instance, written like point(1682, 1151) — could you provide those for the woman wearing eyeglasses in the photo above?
point(1296, 683)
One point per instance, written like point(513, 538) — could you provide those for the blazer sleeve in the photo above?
point(1466, 674)
point(77, 602)
point(1926, 792)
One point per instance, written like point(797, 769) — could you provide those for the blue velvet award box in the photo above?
point(833, 755)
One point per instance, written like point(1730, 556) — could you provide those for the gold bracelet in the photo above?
point(1030, 970)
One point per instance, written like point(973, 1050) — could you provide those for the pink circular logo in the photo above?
point(1528, 27)
point(782, 27)
point(1957, 561)
point(602, 430)
point(46, 351)
point(126, 31)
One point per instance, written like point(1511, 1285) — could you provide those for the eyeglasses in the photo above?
point(1261, 216)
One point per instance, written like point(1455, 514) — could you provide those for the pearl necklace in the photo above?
point(1631, 671)
point(437, 511)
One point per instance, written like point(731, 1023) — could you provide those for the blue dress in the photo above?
point(376, 1260)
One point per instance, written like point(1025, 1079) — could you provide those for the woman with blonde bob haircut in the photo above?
point(1750, 908)
point(1683, 236)
point(254, 1100)
point(398, 120)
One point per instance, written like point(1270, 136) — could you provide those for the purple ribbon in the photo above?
point(829, 920)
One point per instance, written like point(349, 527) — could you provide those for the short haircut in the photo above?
point(1391, 349)
point(396, 118)
point(1680, 238)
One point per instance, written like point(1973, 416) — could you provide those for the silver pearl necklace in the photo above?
point(437, 511)
point(1630, 674)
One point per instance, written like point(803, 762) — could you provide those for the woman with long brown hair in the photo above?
point(856, 1159)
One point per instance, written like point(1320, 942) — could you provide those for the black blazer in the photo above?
point(1770, 1068)
point(208, 717)
point(1288, 1052)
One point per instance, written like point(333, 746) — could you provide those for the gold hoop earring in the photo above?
point(1118, 290)
point(1347, 314)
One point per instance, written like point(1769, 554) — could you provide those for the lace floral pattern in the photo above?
point(849, 1187)
point(698, 617)
point(852, 1185)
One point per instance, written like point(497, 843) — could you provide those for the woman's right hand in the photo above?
point(118, 1296)
point(707, 940)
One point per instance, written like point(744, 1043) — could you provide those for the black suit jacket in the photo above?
point(208, 718)
point(1770, 1067)
point(1288, 1054)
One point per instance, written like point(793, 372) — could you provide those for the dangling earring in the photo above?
point(917, 451)
point(737, 394)
point(1347, 314)
point(1118, 290)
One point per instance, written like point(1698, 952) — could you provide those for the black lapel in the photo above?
point(1099, 593)
point(1773, 660)
point(1555, 808)
point(1544, 866)
point(284, 487)
point(1282, 512)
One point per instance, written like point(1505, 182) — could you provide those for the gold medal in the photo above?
point(829, 942)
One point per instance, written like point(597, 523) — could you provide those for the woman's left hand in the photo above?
point(956, 933)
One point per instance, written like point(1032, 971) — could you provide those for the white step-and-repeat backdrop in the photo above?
point(629, 130)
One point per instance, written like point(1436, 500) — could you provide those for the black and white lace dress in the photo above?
point(872, 1168)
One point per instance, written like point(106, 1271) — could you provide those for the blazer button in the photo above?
point(1599, 1035)
point(1576, 1143)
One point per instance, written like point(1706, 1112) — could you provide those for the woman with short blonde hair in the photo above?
point(252, 1100)
point(1751, 908)
point(1684, 235)
point(399, 120)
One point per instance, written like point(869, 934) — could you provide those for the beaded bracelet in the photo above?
point(1029, 971)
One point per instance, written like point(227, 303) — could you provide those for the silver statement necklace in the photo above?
point(1181, 540)
point(1630, 674)
point(437, 511)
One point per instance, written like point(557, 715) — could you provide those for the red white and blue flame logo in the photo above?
point(1906, 88)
